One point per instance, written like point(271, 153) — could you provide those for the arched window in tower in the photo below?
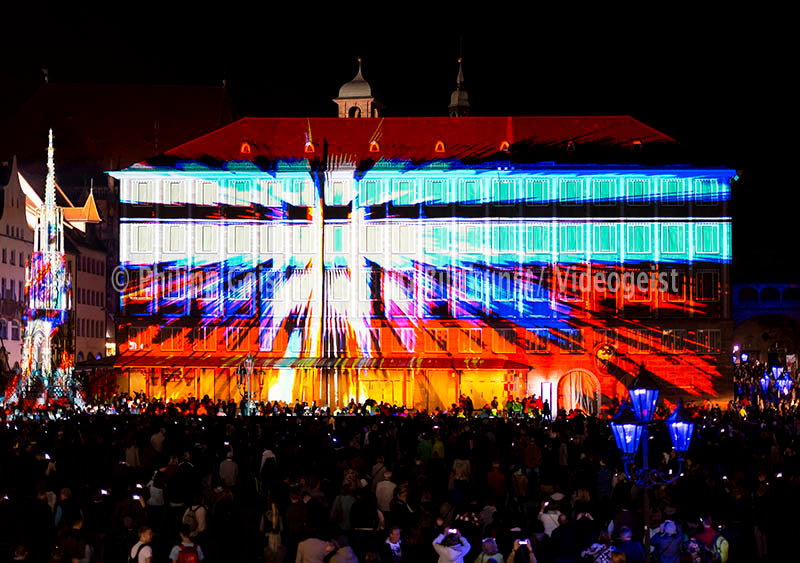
point(439, 146)
point(504, 146)
point(245, 148)
point(309, 148)
point(374, 146)
point(354, 111)
point(636, 146)
point(571, 147)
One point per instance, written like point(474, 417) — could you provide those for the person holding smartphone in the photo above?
point(521, 552)
point(451, 546)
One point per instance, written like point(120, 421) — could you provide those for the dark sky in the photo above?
point(719, 82)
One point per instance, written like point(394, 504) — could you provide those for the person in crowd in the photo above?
point(450, 546)
point(633, 550)
point(186, 551)
point(391, 551)
point(666, 543)
point(141, 552)
point(489, 552)
point(521, 552)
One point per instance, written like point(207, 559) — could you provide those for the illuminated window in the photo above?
point(271, 193)
point(370, 192)
point(369, 285)
point(707, 285)
point(140, 284)
point(174, 193)
point(709, 341)
point(504, 341)
point(207, 192)
point(471, 239)
point(139, 338)
point(503, 285)
point(671, 190)
point(301, 238)
point(472, 283)
point(673, 239)
point(571, 191)
point(403, 192)
point(174, 238)
point(675, 290)
point(604, 240)
point(374, 146)
point(406, 340)
point(205, 339)
point(173, 283)
point(171, 339)
point(537, 191)
point(270, 239)
point(638, 191)
point(245, 148)
point(239, 239)
point(469, 192)
point(505, 190)
point(639, 341)
point(674, 340)
point(404, 238)
point(141, 238)
point(239, 284)
point(339, 288)
point(372, 238)
point(436, 191)
point(401, 283)
point(571, 238)
point(707, 239)
point(337, 238)
point(142, 192)
point(266, 339)
point(505, 238)
point(14, 330)
point(606, 336)
point(437, 340)
point(239, 191)
point(537, 238)
point(437, 239)
point(439, 147)
point(309, 147)
point(706, 191)
point(604, 191)
point(537, 340)
point(302, 193)
point(205, 284)
point(336, 193)
point(236, 339)
point(472, 340)
point(637, 239)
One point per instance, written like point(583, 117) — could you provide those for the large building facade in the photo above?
point(415, 259)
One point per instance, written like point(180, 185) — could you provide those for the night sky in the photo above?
point(717, 82)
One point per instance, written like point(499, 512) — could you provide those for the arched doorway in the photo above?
point(579, 388)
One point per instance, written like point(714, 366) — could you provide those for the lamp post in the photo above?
point(630, 429)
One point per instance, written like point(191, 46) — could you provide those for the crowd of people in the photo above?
point(159, 481)
point(758, 383)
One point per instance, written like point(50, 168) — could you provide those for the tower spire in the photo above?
point(459, 101)
point(50, 184)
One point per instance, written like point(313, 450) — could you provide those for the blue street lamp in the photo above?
point(784, 383)
point(630, 429)
point(764, 381)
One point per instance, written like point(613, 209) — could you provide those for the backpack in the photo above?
point(190, 519)
point(135, 558)
point(188, 554)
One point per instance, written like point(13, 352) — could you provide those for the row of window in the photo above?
point(91, 297)
point(642, 239)
point(405, 286)
point(411, 191)
point(90, 328)
point(441, 340)
point(91, 265)
point(13, 232)
point(12, 291)
point(10, 257)
point(15, 330)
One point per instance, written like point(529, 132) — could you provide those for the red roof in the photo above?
point(412, 138)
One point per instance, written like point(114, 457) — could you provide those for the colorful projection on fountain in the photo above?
point(440, 265)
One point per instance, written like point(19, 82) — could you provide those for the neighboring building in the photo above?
point(16, 245)
point(414, 259)
point(88, 119)
point(767, 318)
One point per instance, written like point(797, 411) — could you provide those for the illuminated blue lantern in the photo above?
point(644, 396)
point(680, 427)
point(627, 431)
point(784, 383)
point(764, 381)
point(745, 356)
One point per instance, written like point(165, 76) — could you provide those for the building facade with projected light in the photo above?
point(414, 259)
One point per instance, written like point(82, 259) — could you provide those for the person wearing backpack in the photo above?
point(187, 551)
point(141, 552)
point(196, 517)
